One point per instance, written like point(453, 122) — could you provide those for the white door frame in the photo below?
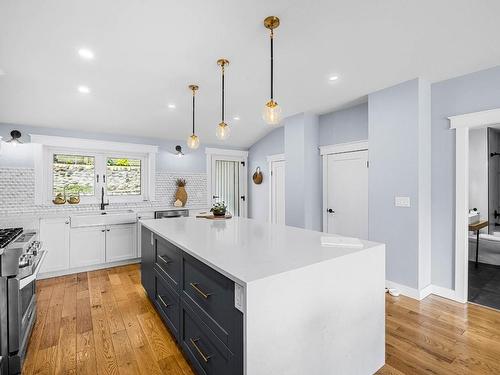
point(270, 160)
point(236, 155)
point(339, 148)
point(462, 124)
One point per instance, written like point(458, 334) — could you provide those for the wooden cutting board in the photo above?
point(210, 216)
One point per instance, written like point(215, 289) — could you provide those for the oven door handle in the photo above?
point(28, 279)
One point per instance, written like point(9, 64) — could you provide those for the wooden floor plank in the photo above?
point(102, 322)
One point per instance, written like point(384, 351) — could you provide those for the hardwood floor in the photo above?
point(101, 322)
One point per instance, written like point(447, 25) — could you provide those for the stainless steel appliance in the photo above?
point(171, 213)
point(21, 256)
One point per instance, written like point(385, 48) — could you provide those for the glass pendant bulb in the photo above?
point(223, 131)
point(272, 113)
point(193, 142)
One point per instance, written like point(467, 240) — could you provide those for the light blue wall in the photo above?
point(302, 176)
point(470, 93)
point(393, 136)
point(193, 161)
point(294, 164)
point(347, 125)
point(258, 195)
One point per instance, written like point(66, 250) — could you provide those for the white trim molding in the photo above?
point(462, 124)
point(422, 293)
point(92, 144)
point(225, 152)
point(475, 119)
point(270, 160)
point(343, 147)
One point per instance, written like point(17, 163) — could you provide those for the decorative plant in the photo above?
point(180, 182)
point(219, 209)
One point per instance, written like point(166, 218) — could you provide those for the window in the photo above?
point(85, 173)
point(125, 171)
point(123, 176)
point(73, 174)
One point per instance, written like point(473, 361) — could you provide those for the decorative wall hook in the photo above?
point(257, 176)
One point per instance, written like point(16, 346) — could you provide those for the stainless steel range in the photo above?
point(21, 256)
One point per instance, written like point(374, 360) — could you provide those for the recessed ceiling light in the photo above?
point(236, 118)
point(333, 78)
point(83, 89)
point(171, 106)
point(85, 53)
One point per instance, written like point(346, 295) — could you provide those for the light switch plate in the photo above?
point(402, 201)
point(238, 297)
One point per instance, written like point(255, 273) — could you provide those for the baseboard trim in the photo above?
point(422, 293)
point(445, 293)
point(95, 267)
point(403, 289)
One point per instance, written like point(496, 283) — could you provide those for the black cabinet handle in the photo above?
point(204, 356)
point(330, 211)
point(165, 259)
point(201, 292)
point(163, 301)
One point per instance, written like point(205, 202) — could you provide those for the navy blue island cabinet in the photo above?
point(196, 303)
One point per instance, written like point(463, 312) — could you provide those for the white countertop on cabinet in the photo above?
point(246, 250)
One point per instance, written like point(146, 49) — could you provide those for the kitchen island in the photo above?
point(247, 297)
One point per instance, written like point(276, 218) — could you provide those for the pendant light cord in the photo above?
point(223, 93)
point(193, 111)
point(272, 63)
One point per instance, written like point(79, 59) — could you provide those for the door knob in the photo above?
point(330, 211)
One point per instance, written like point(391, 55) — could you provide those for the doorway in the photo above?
point(227, 179)
point(277, 189)
point(345, 189)
point(484, 208)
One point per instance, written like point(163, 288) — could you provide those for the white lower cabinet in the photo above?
point(120, 242)
point(87, 246)
point(54, 234)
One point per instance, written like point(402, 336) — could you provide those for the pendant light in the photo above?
point(223, 129)
point(272, 111)
point(193, 142)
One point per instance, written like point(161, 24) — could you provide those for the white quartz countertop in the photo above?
point(247, 250)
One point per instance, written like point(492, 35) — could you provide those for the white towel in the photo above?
point(350, 242)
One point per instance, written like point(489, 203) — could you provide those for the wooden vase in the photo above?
point(181, 195)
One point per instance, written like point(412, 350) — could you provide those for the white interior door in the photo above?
point(228, 182)
point(347, 194)
point(277, 195)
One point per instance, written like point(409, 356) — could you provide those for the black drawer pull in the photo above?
point(163, 301)
point(203, 356)
point(165, 259)
point(201, 292)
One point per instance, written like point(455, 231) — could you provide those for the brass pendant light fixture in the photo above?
point(193, 142)
point(223, 129)
point(272, 111)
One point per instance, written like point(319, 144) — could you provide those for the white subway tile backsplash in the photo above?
point(17, 189)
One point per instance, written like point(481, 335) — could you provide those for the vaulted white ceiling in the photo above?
point(147, 52)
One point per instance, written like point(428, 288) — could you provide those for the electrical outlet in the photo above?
point(402, 201)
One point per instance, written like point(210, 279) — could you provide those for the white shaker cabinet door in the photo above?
point(120, 242)
point(87, 246)
point(54, 235)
